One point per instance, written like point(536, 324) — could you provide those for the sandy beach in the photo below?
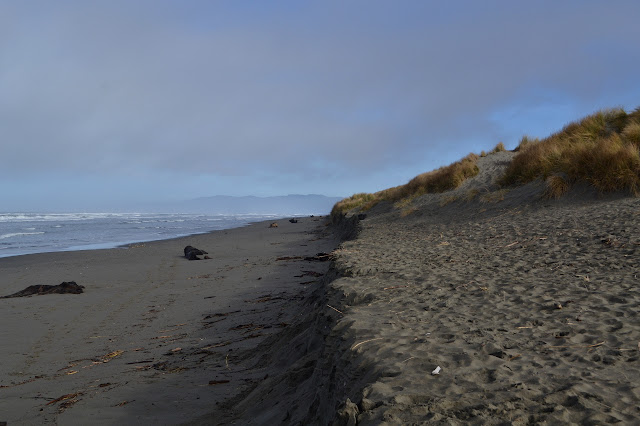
point(481, 305)
point(154, 338)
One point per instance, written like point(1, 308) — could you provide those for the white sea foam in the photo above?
point(81, 231)
point(57, 217)
point(18, 234)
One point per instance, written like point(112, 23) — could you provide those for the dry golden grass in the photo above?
point(601, 149)
point(356, 200)
point(557, 186)
point(440, 180)
point(631, 133)
point(436, 181)
point(498, 148)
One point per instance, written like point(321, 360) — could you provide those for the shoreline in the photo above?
point(127, 243)
point(154, 337)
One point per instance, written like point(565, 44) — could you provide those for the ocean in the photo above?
point(28, 233)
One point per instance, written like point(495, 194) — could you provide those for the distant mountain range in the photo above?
point(285, 205)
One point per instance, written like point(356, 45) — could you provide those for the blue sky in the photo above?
point(112, 103)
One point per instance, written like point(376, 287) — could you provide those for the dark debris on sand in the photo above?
point(63, 288)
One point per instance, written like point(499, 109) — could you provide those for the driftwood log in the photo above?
point(192, 253)
point(64, 288)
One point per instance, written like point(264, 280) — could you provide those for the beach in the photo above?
point(153, 338)
point(482, 305)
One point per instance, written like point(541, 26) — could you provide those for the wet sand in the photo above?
point(153, 339)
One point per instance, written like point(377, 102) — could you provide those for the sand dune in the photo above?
point(529, 306)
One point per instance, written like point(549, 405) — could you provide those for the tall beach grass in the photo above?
point(602, 149)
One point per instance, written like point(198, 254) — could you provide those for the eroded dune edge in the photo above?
point(527, 305)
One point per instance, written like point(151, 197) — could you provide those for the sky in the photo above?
point(118, 102)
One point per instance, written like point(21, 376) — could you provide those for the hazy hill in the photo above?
point(286, 205)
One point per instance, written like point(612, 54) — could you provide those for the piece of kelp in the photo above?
point(63, 288)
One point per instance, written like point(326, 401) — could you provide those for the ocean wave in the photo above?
point(54, 217)
point(17, 234)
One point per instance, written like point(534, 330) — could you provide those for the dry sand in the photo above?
point(530, 308)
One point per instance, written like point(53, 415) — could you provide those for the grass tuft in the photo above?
point(631, 133)
point(557, 186)
point(601, 149)
point(498, 148)
point(437, 181)
point(355, 201)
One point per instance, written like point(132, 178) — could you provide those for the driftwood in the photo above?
point(320, 257)
point(64, 288)
point(192, 253)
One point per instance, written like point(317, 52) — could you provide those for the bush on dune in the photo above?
point(601, 149)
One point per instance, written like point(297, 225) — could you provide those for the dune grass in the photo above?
point(436, 181)
point(602, 149)
point(498, 148)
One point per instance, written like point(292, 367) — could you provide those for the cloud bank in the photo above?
point(279, 97)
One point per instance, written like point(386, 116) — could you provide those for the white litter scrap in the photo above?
point(436, 371)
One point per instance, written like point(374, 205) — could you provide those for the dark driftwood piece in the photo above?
point(64, 288)
point(192, 253)
point(320, 257)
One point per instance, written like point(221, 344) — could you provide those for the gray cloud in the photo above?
point(322, 92)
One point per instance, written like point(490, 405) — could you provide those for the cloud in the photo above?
point(316, 91)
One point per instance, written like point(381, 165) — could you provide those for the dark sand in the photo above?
point(530, 308)
point(154, 338)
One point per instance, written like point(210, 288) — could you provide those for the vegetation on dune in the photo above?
point(440, 180)
point(356, 200)
point(498, 148)
point(602, 149)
